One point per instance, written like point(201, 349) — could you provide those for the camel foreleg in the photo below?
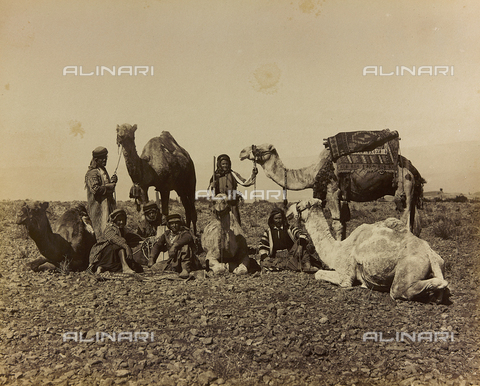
point(334, 277)
point(41, 264)
point(406, 189)
point(339, 228)
point(190, 212)
point(214, 263)
point(165, 199)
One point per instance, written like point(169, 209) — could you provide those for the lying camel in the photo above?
point(68, 245)
point(382, 256)
point(224, 242)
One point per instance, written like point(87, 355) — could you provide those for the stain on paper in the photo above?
point(76, 129)
point(266, 78)
point(7, 86)
point(311, 6)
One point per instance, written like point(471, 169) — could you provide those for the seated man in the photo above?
point(282, 246)
point(180, 244)
point(112, 252)
point(148, 228)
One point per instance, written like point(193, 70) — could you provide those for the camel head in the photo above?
point(301, 209)
point(125, 131)
point(220, 206)
point(30, 211)
point(260, 154)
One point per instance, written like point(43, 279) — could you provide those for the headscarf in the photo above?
point(151, 205)
point(116, 213)
point(174, 217)
point(274, 212)
point(97, 153)
point(220, 172)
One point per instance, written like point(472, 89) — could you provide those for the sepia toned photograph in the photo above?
point(243, 192)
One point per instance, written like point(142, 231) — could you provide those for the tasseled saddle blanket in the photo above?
point(373, 150)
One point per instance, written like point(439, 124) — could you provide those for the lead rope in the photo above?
point(115, 171)
point(255, 214)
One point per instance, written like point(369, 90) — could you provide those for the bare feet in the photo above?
point(127, 270)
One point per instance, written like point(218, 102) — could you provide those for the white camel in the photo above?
point(382, 256)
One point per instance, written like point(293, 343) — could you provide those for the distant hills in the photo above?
point(454, 167)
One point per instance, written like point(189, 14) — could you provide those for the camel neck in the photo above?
point(319, 231)
point(41, 233)
point(225, 221)
point(132, 160)
point(296, 179)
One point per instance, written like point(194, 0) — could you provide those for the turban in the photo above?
point(99, 152)
point(151, 205)
point(116, 213)
point(174, 218)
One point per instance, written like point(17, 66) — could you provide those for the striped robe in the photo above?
point(287, 238)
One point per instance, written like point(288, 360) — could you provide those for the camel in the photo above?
point(165, 165)
point(382, 256)
point(224, 242)
point(365, 186)
point(68, 245)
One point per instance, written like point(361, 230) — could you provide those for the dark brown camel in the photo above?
point(68, 245)
point(365, 186)
point(165, 165)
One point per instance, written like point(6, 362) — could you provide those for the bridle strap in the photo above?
point(258, 155)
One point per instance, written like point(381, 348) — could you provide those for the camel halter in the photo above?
point(258, 156)
point(254, 148)
point(119, 157)
point(254, 151)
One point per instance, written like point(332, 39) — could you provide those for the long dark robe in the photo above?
point(105, 253)
point(100, 202)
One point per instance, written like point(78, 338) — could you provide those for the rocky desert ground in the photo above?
point(277, 328)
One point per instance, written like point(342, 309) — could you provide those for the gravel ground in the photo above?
point(281, 328)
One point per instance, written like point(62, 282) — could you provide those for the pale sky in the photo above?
point(228, 74)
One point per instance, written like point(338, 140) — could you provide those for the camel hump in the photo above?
point(81, 209)
point(170, 149)
point(395, 224)
point(168, 142)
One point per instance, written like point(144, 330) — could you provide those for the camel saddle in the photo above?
point(373, 151)
point(358, 141)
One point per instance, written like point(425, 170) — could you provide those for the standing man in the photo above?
point(225, 181)
point(100, 191)
point(148, 227)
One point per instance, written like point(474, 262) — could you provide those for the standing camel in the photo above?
point(365, 186)
point(165, 165)
point(68, 245)
point(383, 256)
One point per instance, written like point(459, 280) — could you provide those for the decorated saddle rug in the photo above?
point(357, 141)
point(374, 150)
